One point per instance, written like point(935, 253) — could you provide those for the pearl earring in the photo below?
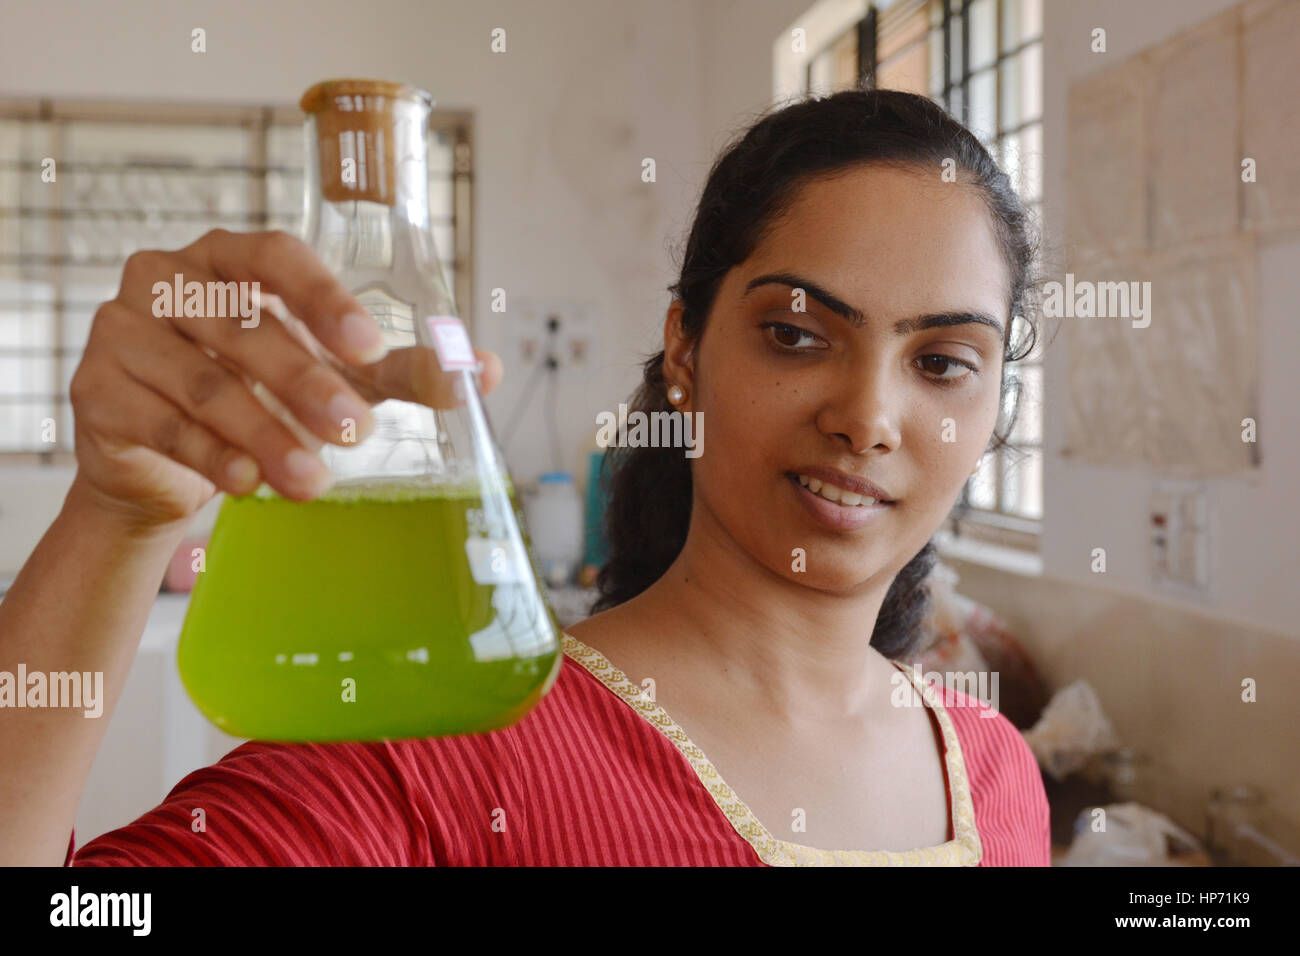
point(675, 394)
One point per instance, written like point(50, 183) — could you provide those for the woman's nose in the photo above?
point(864, 412)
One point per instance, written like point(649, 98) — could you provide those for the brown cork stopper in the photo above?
point(356, 122)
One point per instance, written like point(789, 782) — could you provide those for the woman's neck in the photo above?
point(800, 653)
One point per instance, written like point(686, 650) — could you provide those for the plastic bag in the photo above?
point(1072, 729)
point(1134, 836)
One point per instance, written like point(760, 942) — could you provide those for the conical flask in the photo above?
point(405, 601)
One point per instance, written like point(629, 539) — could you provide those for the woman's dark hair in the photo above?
point(751, 184)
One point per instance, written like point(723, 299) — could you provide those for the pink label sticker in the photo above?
point(451, 343)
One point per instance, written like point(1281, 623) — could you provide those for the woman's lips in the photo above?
point(835, 516)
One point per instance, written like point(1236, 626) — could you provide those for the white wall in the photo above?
point(1256, 522)
point(737, 63)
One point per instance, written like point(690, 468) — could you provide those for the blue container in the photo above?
point(597, 546)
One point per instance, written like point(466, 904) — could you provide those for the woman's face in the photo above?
point(905, 403)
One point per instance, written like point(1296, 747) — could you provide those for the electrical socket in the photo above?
point(572, 343)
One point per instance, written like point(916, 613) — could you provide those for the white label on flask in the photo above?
point(492, 560)
point(451, 343)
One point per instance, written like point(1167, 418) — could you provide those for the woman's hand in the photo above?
point(164, 412)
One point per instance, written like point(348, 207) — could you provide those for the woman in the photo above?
point(841, 324)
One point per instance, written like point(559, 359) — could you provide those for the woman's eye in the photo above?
point(939, 366)
point(789, 336)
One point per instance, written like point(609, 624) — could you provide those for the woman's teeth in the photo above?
point(834, 492)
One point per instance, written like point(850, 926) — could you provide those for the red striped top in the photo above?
point(595, 774)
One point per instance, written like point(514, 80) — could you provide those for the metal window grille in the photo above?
point(137, 176)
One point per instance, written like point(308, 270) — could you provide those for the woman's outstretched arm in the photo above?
point(79, 604)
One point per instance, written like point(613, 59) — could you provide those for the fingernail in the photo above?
point(308, 469)
point(363, 337)
point(241, 470)
point(343, 406)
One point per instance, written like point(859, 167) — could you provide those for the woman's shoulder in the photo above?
point(988, 740)
point(993, 748)
point(1006, 785)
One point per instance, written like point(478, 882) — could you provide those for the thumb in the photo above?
point(493, 371)
point(414, 375)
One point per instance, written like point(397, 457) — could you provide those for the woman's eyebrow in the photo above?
point(857, 319)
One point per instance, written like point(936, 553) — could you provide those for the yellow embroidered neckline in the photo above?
point(963, 850)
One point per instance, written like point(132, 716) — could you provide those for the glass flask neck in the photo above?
point(366, 211)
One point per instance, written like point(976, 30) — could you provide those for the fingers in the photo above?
point(330, 397)
point(154, 424)
point(213, 393)
point(286, 266)
point(205, 392)
point(286, 356)
point(314, 393)
point(414, 375)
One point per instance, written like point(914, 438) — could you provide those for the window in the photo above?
point(130, 177)
point(982, 60)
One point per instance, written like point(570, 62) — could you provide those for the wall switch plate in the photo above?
point(572, 343)
point(1179, 537)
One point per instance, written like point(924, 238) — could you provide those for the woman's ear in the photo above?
point(679, 353)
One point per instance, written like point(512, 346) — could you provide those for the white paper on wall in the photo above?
point(1171, 395)
point(1106, 162)
point(1271, 112)
point(1155, 195)
point(1193, 138)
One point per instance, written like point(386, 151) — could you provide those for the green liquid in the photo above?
point(367, 588)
